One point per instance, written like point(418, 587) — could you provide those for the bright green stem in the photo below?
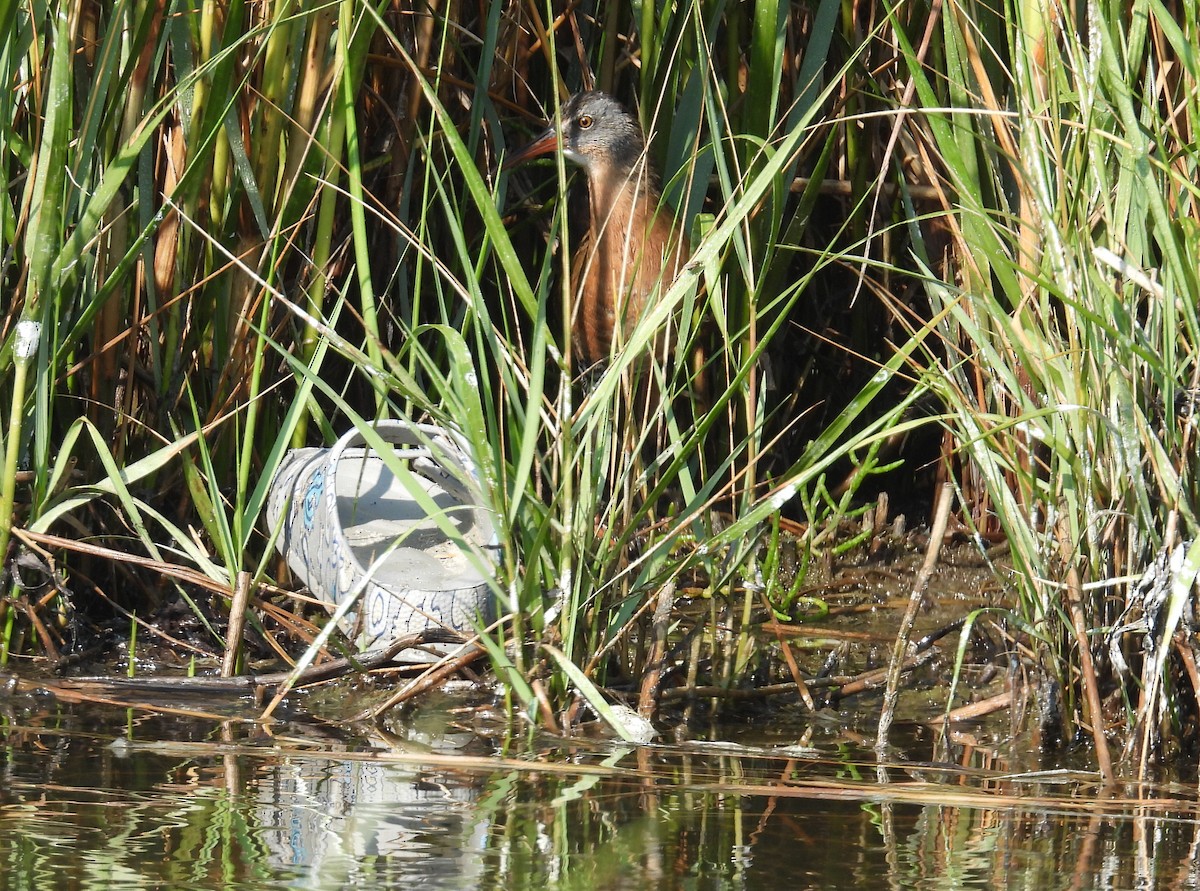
point(342, 128)
point(326, 215)
point(276, 81)
point(241, 534)
point(24, 351)
point(131, 668)
point(649, 47)
point(855, 156)
point(353, 55)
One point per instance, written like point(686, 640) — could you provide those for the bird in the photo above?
point(632, 245)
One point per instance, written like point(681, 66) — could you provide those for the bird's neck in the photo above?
point(621, 198)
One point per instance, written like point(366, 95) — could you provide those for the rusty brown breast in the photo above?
point(632, 246)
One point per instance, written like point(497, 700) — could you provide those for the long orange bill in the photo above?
point(545, 144)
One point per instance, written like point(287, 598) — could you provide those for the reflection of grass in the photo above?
point(257, 233)
point(230, 812)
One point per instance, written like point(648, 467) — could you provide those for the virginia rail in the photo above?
point(631, 245)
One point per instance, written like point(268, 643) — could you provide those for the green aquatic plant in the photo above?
point(242, 229)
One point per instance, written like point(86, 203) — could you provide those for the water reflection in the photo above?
point(344, 822)
point(444, 810)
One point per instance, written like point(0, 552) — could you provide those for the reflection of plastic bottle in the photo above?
point(343, 821)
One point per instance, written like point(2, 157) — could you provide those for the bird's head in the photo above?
point(596, 132)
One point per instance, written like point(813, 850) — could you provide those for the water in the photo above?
point(108, 798)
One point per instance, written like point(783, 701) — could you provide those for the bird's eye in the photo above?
point(585, 121)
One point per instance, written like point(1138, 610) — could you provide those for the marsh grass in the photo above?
point(244, 228)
